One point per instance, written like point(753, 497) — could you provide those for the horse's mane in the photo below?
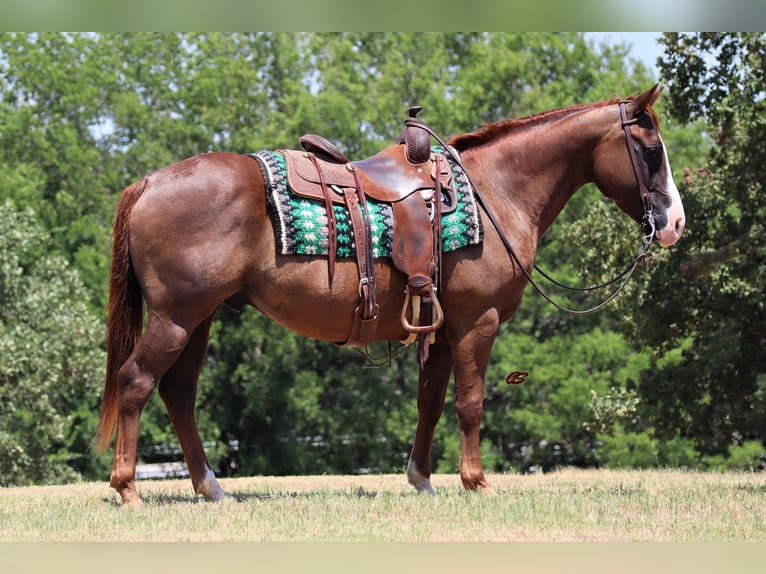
point(491, 131)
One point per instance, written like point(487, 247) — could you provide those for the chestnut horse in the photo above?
point(196, 234)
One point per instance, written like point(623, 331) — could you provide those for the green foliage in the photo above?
point(607, 410)
point(749, 455)
point(552, 419)
point(629, 449)
point(50, 360)
point(623, 448)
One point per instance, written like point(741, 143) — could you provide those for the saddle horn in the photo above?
point(416, 140)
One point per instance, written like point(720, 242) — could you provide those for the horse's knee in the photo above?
point(470, 410)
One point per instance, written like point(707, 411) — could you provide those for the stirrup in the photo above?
point(414, 329)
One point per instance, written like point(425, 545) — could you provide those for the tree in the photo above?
point(50, 360)
point(707, 380)
point(50, 125)
point(717, 392)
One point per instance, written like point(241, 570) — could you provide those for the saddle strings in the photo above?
point(647, 240)
point(374, 362)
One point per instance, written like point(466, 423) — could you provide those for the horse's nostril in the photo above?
point(679, 227)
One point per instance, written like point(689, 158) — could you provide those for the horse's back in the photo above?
point(214, 176)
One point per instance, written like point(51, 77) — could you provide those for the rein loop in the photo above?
point(647, 224)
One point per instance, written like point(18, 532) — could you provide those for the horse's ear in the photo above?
point(638, 105)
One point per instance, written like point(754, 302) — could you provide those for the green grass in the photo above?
point(569, 505)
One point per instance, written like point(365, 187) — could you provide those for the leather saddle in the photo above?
point(385, 176)
point(418, 184)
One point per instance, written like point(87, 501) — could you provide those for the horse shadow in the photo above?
point(166, 499)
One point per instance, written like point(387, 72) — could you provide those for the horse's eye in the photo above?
point(653, 157)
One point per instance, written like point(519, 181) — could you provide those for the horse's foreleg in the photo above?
point(471, 357)
point(432, 388)
point(178, 390)
point(160, 345)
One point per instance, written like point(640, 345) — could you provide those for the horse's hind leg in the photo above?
point(178, 389)
point(157, 349)
point(432, 389)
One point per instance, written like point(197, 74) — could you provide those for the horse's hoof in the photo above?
point(218, 496)
point(210, 489)
point(424, 486)
point(420, 482)
point(487, 490)
point(131, 502)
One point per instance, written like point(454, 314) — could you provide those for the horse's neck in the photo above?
point(536, 169)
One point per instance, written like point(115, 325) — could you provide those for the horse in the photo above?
point(195, 235)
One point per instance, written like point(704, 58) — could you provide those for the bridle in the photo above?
point(647, 223)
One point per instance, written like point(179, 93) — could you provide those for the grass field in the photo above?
point(568, 505)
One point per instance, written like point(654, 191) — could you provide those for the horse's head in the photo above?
point(631, 167)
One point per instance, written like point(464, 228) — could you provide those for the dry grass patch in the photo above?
point(568, 505)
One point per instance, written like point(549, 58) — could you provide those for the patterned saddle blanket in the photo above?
point(300, 223)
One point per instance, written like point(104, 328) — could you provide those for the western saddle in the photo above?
point(415, 180)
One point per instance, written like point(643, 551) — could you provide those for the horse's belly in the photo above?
point(298, 295)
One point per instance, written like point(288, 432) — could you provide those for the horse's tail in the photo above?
point(124, 314)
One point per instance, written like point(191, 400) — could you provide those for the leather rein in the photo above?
point(647, 224)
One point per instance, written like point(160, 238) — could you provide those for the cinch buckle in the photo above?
point(363, 283)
